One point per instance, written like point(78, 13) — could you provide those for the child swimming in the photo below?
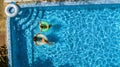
point(41, 39)
point(44, 26)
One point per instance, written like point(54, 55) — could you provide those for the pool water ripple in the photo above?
point(86, 37)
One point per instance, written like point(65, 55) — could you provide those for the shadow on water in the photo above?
point(53, 38)
point(41, 63)
point(56, 27)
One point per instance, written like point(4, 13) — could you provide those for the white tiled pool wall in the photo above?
point(82, 1)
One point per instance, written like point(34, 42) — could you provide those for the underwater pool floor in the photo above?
point(87, 37)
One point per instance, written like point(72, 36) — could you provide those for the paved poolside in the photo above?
point(2, 24)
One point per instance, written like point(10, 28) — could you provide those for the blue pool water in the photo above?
point(84, 36)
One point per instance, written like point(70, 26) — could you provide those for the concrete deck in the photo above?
point(16, 0)
point(85, 1)
point(2, 24)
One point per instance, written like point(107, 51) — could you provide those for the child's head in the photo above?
point(35, 38)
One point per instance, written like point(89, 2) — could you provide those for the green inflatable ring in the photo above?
point(46, 24)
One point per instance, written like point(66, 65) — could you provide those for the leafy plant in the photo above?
point(3, 56)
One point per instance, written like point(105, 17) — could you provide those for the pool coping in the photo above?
point(9, 42)
point(10, 64)
point(82, 1)
point(61, 4)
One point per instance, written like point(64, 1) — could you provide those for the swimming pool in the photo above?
point(84, 36)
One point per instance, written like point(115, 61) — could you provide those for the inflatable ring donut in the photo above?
point(41, 36)
point(44, 23)
point(11, 6)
